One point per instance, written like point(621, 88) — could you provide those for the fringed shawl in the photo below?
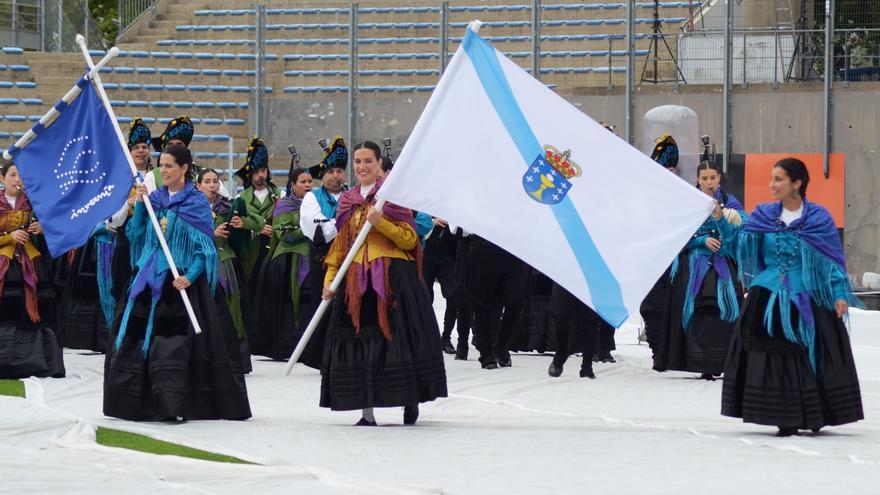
point(105, 244)
point(700, 261)
point(287, 204)
point(823, 268)
point(189, 233)
point(360, 275)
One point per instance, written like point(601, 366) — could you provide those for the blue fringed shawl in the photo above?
point(818, 273)
point(189, 233)
point(105, 243)
point(700, 261)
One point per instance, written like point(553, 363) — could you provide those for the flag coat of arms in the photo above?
point(75, 172)
point(501, 155)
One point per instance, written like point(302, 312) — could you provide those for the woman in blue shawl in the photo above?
point(156, 367)
point(790, 363)
point(705, 297)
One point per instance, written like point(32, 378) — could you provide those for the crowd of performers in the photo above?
point(760, 298)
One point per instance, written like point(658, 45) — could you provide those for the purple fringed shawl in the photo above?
point(816, 227)
point(375, 272)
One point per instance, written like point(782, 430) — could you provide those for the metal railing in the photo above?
point(20, 23)
point(130, 10)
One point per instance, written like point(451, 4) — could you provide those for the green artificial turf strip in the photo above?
point(133, 441)
point(12, 388)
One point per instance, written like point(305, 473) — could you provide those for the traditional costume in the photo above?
point(282, 292)
point(571, 316)
point(87, 302)
point(121, 260)
point(705, 301)
point(790, 363)
point(383, 343)
point(229, 275)
point(157, 368)
point(657, 303)
point(260, 205)
point(439, 266)
point(494, 288)
point(318, 224)
point(28, 342)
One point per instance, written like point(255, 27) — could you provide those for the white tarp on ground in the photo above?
point(508, 431)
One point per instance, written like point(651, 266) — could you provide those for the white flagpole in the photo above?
point(53, 114)
point(337, 281)
point(96, 77)
point(334, 286)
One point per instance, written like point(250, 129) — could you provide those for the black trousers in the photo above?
point(441, 268)
point(568, 312)
point(495, 292)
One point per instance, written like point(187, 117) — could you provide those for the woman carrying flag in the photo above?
point(705, 297)
point(383, 343)
point(790, 363)
point(28, 345)
point(156, 367)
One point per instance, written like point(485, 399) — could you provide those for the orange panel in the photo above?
point(826, 192)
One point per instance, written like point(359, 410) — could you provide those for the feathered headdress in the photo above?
point(138, 133)
point(335, 156)
point(180, 128)
point(665, 151)
point(257, 158)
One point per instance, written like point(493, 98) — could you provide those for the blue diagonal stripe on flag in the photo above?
point(605, 291)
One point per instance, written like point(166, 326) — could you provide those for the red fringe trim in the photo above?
point(30, 303)
point(352, 291)
point(71, 257)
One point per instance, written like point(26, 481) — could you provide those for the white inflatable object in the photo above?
point(684, 126)
point(871, 280)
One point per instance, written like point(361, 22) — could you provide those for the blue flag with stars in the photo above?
point(75, 172)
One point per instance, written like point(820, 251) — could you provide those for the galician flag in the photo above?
point(504, 157)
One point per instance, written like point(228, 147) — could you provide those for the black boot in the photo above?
point(503, 359)
point(606, 357)
point(410, 414)
point(707, 376)
point(587, 372)
point(365, 422)
point(554, 370)
point(787, 431)
point(447, 346)
point(461, 351)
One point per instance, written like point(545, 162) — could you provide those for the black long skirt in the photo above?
point(275, 326)
point(26, 348)
point(655, 311)
point(83, 324)
point(183, 374)
point(362, 369)
point(701, 348)
point(769, 381)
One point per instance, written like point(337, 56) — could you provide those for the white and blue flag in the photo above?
point(501, 155)
point(75, 171)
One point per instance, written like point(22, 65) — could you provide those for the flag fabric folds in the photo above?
point(501, 155)
point(75, 172)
